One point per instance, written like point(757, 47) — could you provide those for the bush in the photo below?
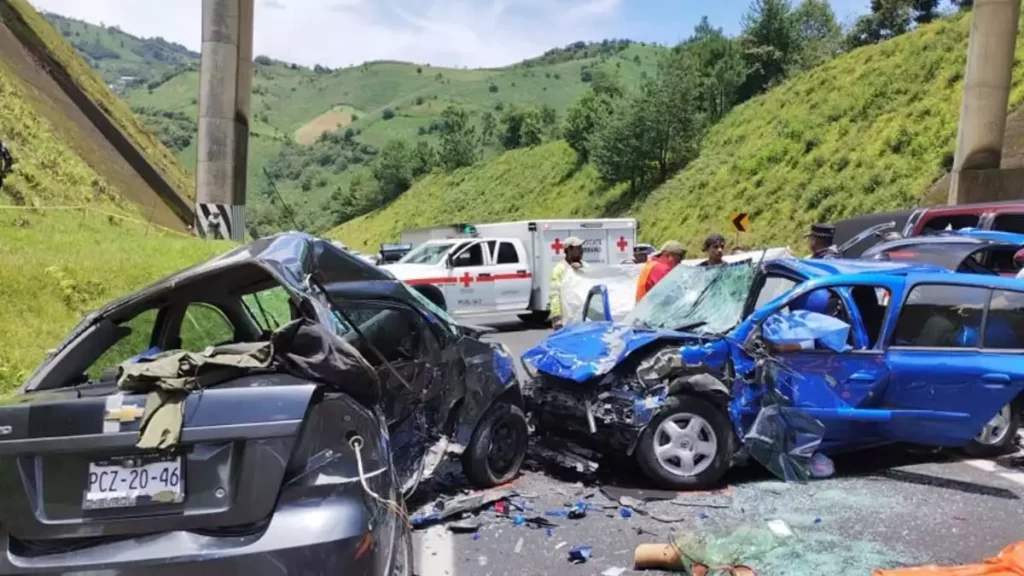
point(387, 114)
point(264, 60)
point(419, 100)
point(493, 88)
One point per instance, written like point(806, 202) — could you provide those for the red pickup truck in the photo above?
point(1002, 216)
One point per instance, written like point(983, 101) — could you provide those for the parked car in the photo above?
point(261, 412)
point(968, 250)
point(706, 369)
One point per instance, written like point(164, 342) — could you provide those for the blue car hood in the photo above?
point(580, 352)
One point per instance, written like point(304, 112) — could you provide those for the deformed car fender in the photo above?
point(700, 369)
point(490, 377)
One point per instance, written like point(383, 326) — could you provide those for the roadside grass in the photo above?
point(93, 86)
point(57, 266)
point(869, 131)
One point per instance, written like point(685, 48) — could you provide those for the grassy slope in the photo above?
point(494, 191)
point(117, 109)
point(56, 265)
point(867, 132)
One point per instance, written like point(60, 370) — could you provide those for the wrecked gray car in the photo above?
point(263, 412)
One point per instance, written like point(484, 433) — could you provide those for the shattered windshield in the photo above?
point(702, 299)
point(426, 254)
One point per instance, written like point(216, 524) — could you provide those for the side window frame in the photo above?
point(483, 255)
point(440, 337)
point(889, 340)
point(512, 248)
point(208, 305)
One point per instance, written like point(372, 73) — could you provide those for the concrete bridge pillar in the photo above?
point(225, 82)
point(976, 176)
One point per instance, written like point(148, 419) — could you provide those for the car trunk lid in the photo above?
point(69, 466)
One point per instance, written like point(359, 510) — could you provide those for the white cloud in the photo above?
point(345, 32)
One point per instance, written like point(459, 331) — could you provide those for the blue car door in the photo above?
point(836, 387)
point(940, 368)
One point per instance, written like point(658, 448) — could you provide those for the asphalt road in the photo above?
point(882, 508)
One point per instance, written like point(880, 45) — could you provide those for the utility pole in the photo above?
point(225, 83)
point(976, 176)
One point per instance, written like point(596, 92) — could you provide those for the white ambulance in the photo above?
point(505, 267)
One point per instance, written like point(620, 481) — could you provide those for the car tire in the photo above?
point(1006, 424)
point(486, 468)
point(710, 425)
point(535, 318)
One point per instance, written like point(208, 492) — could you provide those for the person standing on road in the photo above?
point(1018, 261)
point(714, 247)
point(573, 249)
point(820, 241)
point(658, 266)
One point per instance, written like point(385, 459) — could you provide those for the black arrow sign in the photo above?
point(740, 221)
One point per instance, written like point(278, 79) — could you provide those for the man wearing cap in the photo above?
point(658, 266)
point(573, 249)
point(714, 247)
point(820, 241)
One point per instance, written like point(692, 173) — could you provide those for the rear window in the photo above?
point(1009, 223)
point(1005, 323)
point(950, 222)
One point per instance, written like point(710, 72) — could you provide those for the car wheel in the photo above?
point(497, 447)
point(997, 437)
point(537, 317)
point(688, 444)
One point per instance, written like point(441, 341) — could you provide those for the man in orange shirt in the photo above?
point(658, 266)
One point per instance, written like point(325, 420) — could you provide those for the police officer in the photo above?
point(819, 239)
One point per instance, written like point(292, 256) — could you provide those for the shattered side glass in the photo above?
point(703, 299)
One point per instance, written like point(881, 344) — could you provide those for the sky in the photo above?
point(455, 33)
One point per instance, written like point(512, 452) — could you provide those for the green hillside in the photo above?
point(493, 191)
point(868, 131)
point(59, 263)
point(375, 103)
point(122, 60)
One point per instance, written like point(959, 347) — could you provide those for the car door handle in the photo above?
point(483, 275)
point(863, 377)
point(521, 271)
point(1000, 379)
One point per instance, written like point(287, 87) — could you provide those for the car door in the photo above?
point(839, 388)
point(400, 346)
point(939, 368)
point(470, 286)
point(510, 275)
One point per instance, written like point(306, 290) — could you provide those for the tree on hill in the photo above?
point(458, 139)
point(821, 37)
point(719, 68)
point(487, 127)
point(890, 18)
point(581, 121)
point(770, 44)
point(523, 128)
point(393, 170)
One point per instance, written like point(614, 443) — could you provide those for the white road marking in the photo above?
point(435, 554)
point(986, 465)
point(990, 466)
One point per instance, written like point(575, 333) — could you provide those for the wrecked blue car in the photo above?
point(780, 359)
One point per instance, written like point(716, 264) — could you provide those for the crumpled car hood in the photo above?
point(580, 352)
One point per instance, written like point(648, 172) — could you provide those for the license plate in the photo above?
point(131, 481)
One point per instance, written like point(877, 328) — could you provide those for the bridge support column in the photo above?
point(225, 81)
point(976, 176)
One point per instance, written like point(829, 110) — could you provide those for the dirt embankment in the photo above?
point(91, 132)
point(327, 122)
